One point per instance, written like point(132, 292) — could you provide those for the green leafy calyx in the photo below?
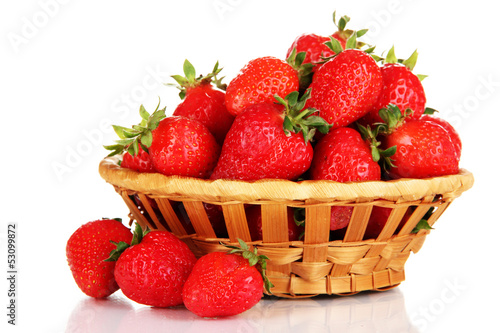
point(190, 80)
point(300, 120)
point(254, 259)
point(139, 234)
point(139, 135)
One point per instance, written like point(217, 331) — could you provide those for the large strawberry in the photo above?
point(226, 284)
point(423, 148)
point(269, 141)
point(455, 137)
point(400, 87)
point(86, 251)
point(258, 81)
point(343, 156)
point(203, 102)
point(346, 87)
point(152, 271)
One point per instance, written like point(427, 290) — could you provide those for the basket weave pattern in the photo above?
point(316, 264)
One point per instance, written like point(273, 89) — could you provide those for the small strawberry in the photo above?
point(400, 87)
point(226, 284)
point(202, 102)
point(423, 148)
point(254, 219)
point(347, 86)
point(86, 251)
point(343, 156)
point(270, 141)
point(152, 271)
point(140, 162)
point(176, 145)
point(184, 147)
point(258, 82)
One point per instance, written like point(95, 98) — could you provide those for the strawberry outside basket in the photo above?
point(315, 264)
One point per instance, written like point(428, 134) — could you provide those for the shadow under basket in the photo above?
point(321, 262)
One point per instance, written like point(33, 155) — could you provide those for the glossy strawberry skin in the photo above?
point(222, 284)
point(314, 46)
point(343, 156)
point(140, 162)
point(254, 219)
point(208, 106)
point(455, 137)
point(153, 272)
point(400, 87)
point(184, 147)
point(346, 87)
point(257, 147)
point(424, 149)
point(258, 82)
point(86, 250)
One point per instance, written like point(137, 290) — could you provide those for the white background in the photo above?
point(69, 69)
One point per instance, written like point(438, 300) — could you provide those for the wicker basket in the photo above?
point(318, 264)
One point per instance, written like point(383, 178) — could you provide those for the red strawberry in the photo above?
point(423, 148)
point(184, 147)
point(400, 87)
point(225, 284)
point(264, 142)
point(152, 271)
point(254, 218)
point(202, 102)
point(86, 250)
point(176, 145)
point(140, 162)
point(346, 87)
point(343, 156)
point(259, 81)
point(455, 137)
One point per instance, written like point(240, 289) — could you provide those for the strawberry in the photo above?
point(152, 271)
point(400, 87)
point(202, 102)
point(140, 162)
point(176, 145)
point(226, 284)
point(86, 250)
point(455, 137)
point(269, 141)
point(254, 219)
point(343, 156)
point(258, 81)
point(423, 148)
point(184, 147)
point(347, 86)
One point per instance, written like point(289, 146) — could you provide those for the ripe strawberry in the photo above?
point(254, 219)
point(343, 156)
point(184, 147)
point(259, 81)
point(400, 87)
point(346, 87)
point(202, 102)
point(423, 148)
point(86, 250)
point(152, 271)
point(225, 284)
point(140, 162)
point(455, 137)
point(264, 142)
point(176, 145)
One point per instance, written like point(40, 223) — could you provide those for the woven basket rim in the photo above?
point(401, 190)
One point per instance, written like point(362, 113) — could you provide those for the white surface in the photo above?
point(71, 68)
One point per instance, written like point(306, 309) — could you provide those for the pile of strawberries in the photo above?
point(332, 110)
